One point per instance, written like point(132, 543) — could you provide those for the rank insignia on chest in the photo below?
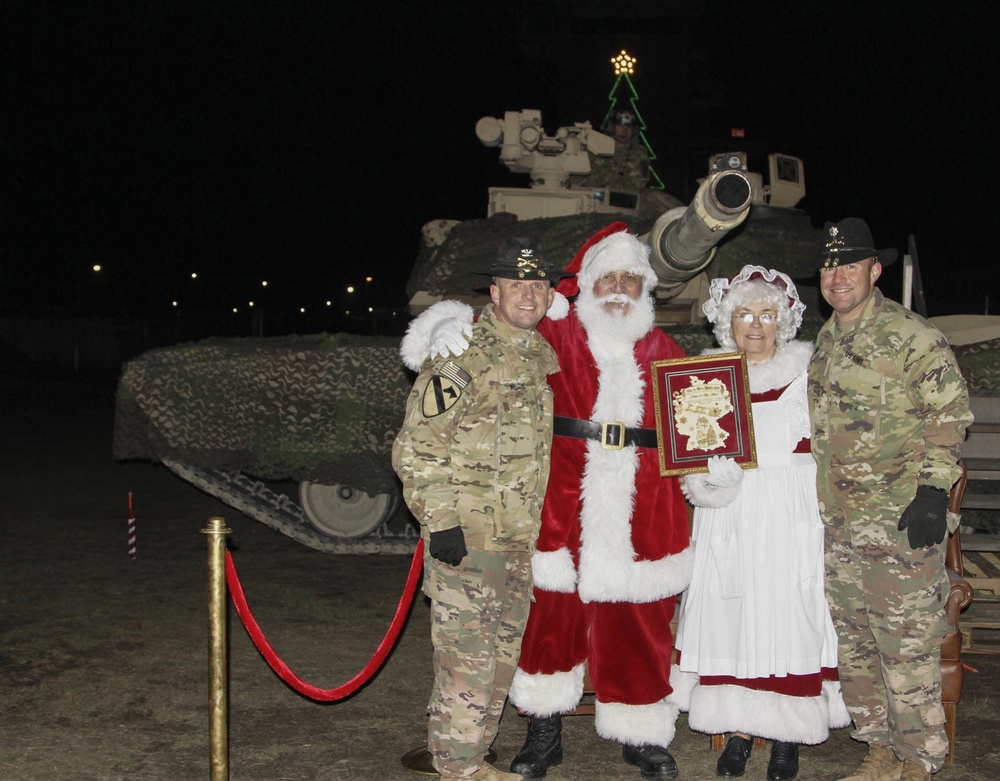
point(444, 389)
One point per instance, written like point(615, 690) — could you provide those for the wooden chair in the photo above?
point(719, 743)
point(959, 598)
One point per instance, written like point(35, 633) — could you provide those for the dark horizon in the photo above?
point(307, 144)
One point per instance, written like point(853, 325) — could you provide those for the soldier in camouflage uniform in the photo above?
point(889, 411)
point(628, 169)
point(614, 548)
point(473, 456)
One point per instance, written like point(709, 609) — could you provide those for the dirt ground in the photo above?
point(104, 658)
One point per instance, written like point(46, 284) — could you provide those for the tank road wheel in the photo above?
point(343, 511)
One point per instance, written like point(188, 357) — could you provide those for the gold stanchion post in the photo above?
point(218, 677)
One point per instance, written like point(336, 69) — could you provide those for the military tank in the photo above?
point(565, 203)
point(296, 432)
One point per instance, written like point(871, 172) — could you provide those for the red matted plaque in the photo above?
point(703, 410)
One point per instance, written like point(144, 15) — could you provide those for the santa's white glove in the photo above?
point(450, 337)
point(723, 472)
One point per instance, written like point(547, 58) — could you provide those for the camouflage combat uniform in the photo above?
point(474, 452)
point(889, 411)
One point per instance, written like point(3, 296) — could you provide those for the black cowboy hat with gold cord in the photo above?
point(521, 258)
point(849, 241)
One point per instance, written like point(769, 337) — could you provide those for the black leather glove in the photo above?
point(448, 546)
point(926, 519)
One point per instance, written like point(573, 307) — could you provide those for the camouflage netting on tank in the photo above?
point(323, 408)
point(980, 364)
point(449, 270)
point(773, 238)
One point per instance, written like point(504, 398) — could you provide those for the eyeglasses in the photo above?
point(766, 318)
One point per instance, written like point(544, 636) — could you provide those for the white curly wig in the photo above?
point(754, 284)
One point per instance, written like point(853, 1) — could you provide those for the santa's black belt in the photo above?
point(613, 435)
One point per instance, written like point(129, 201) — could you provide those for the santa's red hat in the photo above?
point(612, 248)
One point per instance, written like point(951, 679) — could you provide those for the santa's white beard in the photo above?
point(615, 326)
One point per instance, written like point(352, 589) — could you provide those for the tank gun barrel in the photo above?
point(683, 240)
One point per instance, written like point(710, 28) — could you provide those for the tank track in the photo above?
point(255, 500)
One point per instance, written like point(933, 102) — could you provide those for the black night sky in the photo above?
point(307, 142)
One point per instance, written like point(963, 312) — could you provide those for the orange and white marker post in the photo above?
point(131, 528)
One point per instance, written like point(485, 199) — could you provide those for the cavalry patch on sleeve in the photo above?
point(444, 389)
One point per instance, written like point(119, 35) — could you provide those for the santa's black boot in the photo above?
point(542, 748)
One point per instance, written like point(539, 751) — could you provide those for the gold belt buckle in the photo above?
point(605, 443)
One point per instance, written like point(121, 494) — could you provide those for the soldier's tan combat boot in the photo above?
point(489, 773)
point(880, 765)
point(914, 771)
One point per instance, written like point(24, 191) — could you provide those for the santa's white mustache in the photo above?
point(615, 298)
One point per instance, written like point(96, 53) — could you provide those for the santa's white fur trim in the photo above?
point(618, 252)
point(416, 346)
point(637, 725)
point(608, 569)
point(698, 491)
point(559, 308)
point(717, 709)
point(546, 695)
point(554, 571)
point(638, 581)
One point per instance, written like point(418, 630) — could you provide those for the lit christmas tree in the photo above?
point(623, 92)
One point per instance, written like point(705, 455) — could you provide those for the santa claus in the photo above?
point(613, 552)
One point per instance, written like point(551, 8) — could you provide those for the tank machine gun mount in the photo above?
point(557, 166)
point(548, 160)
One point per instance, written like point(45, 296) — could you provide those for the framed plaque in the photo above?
point(703, 410)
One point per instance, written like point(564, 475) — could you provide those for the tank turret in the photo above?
point(683, 242)
point(570, 196)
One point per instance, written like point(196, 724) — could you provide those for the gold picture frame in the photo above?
point(703, 410)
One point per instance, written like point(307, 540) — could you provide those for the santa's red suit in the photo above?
point(613, 552)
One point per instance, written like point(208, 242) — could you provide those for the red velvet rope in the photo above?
point(283, 670)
